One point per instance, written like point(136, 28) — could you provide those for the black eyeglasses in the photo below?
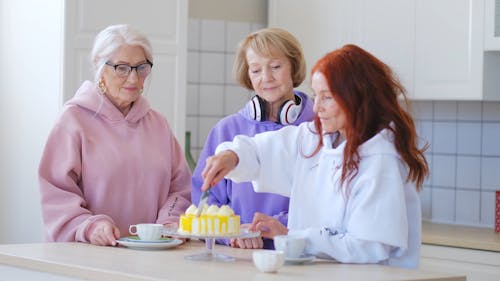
point(123, 70)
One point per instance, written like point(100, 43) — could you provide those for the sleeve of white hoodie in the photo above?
point(376, 223)
point(268, 159)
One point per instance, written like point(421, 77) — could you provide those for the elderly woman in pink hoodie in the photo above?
point(111, 160)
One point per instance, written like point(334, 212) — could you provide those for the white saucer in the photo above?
point(299, 260)
point(136, 239)
point(164, 243)
point(244, 233)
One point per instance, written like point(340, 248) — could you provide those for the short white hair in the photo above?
point(110, 39)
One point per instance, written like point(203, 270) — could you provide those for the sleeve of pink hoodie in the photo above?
point(179, 196)
point(64, 211)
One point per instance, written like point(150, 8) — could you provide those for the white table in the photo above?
point(84, 261)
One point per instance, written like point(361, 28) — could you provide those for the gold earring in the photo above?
point(102, 87)
point(141, 90)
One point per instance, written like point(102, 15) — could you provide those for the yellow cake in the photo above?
point(213, 221)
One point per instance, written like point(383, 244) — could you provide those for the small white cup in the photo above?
point(292, 245)
point(147, 231)
point(268, 261)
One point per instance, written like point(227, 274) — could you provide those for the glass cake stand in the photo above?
point(209, 254)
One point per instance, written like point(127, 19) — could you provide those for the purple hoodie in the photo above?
point(240, 196)
point(98, 164)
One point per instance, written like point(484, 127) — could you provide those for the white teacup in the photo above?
point(268, 260)
point(292, 245)
point(147, 231)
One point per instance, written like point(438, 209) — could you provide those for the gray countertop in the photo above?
point(460, 236)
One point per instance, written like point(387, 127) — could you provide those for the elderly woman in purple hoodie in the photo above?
point(111, 160)
point(269, 62)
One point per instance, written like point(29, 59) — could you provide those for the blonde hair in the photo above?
point(110, 39)
point(267, 42)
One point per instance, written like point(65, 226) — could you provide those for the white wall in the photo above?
point(31, 36)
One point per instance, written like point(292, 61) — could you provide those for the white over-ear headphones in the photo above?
point(287, 114)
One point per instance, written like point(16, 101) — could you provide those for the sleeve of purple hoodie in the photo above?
point(218, 198)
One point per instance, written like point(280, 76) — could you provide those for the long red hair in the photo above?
point(368, 92)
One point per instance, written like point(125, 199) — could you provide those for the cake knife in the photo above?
point(203, 201)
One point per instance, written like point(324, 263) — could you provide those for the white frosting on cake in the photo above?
point(212, 210)
point(225, 210)
point(191, 210)
point(212, 221)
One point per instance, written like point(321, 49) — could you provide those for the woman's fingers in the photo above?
point(104, 234)
point(267, 225)
point(210, 173)
point(216, 167)
point(248, 243)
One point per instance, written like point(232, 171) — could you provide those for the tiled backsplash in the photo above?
point(464, 158)
point(464, 136)
point(212, 92)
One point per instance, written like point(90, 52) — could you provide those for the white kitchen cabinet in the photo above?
point(385, 29)
point(449, 49)
point(320, 26)
point(435, 47)
point(492, 25)
point(476, 265)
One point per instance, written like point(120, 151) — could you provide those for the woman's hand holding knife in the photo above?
point(217, 166)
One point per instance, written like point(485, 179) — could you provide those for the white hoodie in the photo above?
point(378, 222)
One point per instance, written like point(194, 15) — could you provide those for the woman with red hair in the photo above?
point(352, 175)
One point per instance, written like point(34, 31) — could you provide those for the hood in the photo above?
point(306, 112)
point(88, 97)
point(381, 143)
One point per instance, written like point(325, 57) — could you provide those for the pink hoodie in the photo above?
point(98, 164)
